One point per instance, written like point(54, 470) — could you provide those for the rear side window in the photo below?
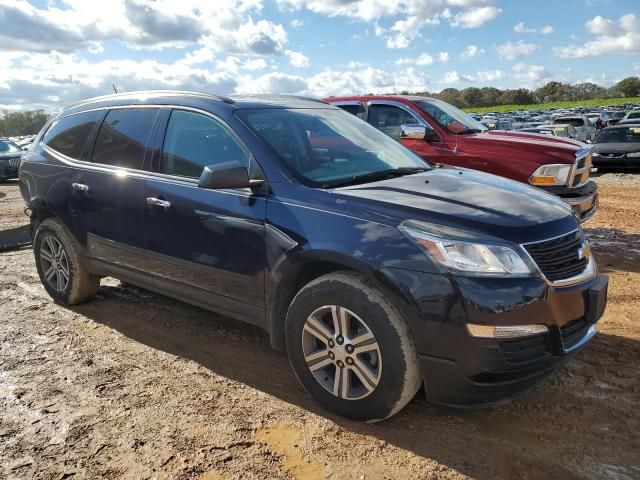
point(356, 110)
point(123, 137)
point(69, 135)
point(193, 141)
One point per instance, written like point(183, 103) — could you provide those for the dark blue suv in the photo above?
point(377, 272)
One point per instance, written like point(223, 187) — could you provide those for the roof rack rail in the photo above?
point(134, 93)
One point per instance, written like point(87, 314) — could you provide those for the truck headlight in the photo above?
point(549, 175)
point(466, 257)
point(633, 154)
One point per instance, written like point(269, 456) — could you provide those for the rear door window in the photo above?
point(356, 110)
point(69, 135)
point(193, 141)
point(123, 137)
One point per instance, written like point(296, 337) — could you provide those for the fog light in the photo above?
point(510, 331)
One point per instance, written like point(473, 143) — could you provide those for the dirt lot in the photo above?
point(135, 385)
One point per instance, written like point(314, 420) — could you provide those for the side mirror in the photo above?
point(226, 175)
point(418, 132)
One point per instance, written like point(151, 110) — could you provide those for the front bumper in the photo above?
point(464, 371)
point(583, 200)
point(617, 161)
point(9, 168)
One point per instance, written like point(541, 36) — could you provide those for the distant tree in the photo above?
point(452, 96)
point(553, 92)
point(22, 123)
point(629, 87)
point(521, 96)
point(588, 91)
point(472, 96)
point(490, 96)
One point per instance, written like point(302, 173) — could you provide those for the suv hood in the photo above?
point(465, 199)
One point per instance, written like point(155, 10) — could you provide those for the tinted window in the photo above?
point(389, 119)
point(194, 141)
point(68, 135)
point(123, 136)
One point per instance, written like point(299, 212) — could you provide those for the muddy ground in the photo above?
point(135, 385)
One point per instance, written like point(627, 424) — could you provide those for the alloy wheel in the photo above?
point(341, 352)
point(54, 263)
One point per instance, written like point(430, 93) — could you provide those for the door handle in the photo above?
point(80, 187)
point(157, 202)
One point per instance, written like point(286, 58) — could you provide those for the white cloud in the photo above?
point(422, 59)
point(475, 17)
point(75, 25)
point(297, 59)
point(530, 75)
point(611, 36)
point(296, 23)
point(443, 57)
point(356, 64)
point(511, 51)
point(481, 76)
point(471, 51)
point(409, 16)
point(233, 64)
point(521, 28)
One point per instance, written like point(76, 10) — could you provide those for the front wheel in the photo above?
point(350, 347)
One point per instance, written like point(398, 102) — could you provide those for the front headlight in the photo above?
point(549, 175)
point(633, 154)
point(467, 257)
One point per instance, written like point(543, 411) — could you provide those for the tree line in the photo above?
point(472, 97)
point(22, 123)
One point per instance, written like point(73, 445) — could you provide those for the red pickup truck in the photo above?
point(441, 133)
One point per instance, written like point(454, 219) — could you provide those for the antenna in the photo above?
point(114, 87)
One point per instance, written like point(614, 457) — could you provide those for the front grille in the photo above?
point(14, 162)
point(580, 164)
point(573, 332)
point(559, 258)
point(581, 170)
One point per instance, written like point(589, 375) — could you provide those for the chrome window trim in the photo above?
point(588, 273)
point(347, 103)
point(145, 173)
point(402, 106)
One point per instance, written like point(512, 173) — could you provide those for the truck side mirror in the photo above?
point(418, 132)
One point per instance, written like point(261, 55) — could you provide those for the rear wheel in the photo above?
point(350, 347)
point(61, 266)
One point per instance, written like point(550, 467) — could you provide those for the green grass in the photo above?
point(597, 102)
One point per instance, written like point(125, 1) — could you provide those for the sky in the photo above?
point(54, 52)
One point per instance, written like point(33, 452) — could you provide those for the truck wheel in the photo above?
point(60, 265)
point(350, 347)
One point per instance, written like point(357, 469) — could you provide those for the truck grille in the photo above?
point(582, 168)
point(14, 162)
point(573, 332)
point(559, 258)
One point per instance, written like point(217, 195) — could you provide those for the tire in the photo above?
point(69, 283)
point(374, 380)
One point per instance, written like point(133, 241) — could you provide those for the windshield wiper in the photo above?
point(378, 175)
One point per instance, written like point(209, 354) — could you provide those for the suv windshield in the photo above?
point(9, 147)
point(619, 135)
point(325, 148)
point(450, 117)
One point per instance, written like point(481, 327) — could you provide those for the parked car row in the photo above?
point(580, 123)
point(377, 268)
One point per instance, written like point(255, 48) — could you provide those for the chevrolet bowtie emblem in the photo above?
point(585, 251)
